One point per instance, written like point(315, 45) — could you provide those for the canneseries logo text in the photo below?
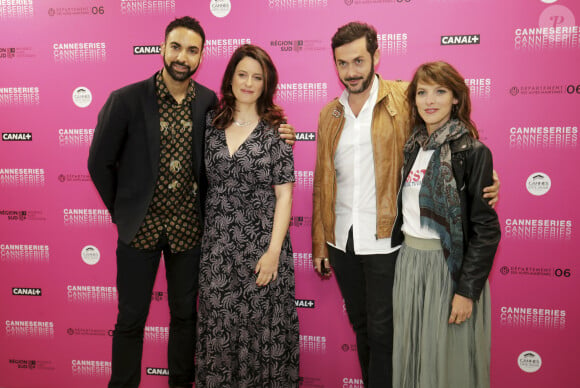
point(79, 52)
point(288, 4)
point(304, 179)
point(92, 368)
point(298, 92)
point(543, 136)
point(147, 7)
point(79, 217)
point(223, 47)
point(312, 344)
point(532, 317)
point(303, 261)
point(91, 294)
point(393, 43)
point(156, 334)
point(537, 229)
point(29, 328)
point(352, 382)
point(22, 177)
point(25, 95)
point(479, 87)
point(75, 136)
point(362, 2)
point(24, 253)
point(16, 9)
point(529, 361)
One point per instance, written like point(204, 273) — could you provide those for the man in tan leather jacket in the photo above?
point(358, 172)
point(359, 158)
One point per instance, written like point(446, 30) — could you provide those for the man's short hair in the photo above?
point(189, 23)
point(353, 31)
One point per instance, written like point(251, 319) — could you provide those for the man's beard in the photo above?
point(179, 76)
point(366, 83)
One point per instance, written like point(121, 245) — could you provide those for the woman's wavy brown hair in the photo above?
point(444, 74)
point(267, 110)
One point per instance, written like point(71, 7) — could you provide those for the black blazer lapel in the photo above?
point(152, 124)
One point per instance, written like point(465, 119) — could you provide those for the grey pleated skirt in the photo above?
point(427, 351)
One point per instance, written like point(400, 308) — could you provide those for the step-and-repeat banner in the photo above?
point(60, 59)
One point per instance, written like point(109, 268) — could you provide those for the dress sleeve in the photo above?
point(281, 160)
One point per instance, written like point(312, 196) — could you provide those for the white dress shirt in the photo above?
point(356, 200)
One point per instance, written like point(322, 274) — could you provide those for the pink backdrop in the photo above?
point(59, 60)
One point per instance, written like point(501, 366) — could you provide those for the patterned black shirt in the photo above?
point(173, 208)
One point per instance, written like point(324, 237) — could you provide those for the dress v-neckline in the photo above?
point(232, 154)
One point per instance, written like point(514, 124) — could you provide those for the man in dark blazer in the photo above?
point(146, 161)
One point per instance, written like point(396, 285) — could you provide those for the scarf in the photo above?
point(439, 202)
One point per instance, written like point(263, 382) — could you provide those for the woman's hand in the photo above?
point(267, 268)
point(461, 308)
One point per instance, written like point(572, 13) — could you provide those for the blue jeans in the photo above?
point(366, 284)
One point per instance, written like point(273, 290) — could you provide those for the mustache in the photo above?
point(353, 79)
point(180, 64)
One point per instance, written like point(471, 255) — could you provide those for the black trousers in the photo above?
point(366, 284)
point(136, 272)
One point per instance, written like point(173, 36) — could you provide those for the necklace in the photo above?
point(244, 123)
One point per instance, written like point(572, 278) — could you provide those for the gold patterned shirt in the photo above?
point(173, 209)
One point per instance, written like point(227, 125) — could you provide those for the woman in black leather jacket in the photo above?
point(450, 235)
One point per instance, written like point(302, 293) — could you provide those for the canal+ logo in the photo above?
point(21, 291)
point(146, 50)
